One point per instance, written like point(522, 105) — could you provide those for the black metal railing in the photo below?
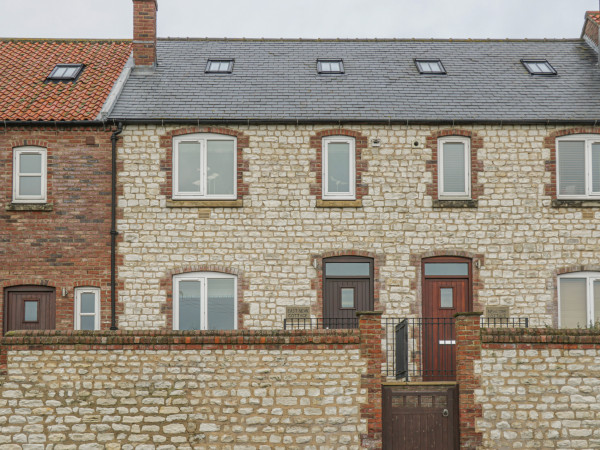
point(320, 323)
point(504, 322)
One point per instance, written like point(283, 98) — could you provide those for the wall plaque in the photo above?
point(297, 312)
point(497, 312)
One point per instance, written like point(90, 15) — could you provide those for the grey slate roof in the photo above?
point(276, 80)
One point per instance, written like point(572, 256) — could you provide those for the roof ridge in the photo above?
point(366, 39)
point(61, 40)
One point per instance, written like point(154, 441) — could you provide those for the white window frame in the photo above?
point(202, 139)
point(589, 139)
point(17, 196)
point(202, 277)
point(590, 277)
point(351, 195)
point(454, 195)
point(78, 313)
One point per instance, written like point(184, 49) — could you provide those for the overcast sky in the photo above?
point(301, 18)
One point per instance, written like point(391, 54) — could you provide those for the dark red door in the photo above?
point(29, 308)
point(446, 291)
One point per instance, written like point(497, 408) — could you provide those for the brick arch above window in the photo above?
point(476, 166)
point(361, 166)
point(551, 189)
point(166, 284)
point(166, 164)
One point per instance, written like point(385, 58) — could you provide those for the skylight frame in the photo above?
point(321, 69)
point(527, 64)
point(59, 68)
point(422, 71)
point(210, 61)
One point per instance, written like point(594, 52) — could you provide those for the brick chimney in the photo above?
point(591, 29)
point(144, 32)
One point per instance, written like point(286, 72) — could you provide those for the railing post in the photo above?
point(468, 349)
point(371, 333)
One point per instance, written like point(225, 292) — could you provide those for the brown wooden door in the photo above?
point(29, 308)
point(420, 417)
point(347, 288)
point(446, 291)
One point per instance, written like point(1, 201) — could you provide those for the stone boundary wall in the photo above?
point(207, 389)
point(534, 388)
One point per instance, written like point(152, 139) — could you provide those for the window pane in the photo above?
point(220, 170)
point(338, 167)
point(59, 72)
point(596, 302)
point(446, 298)
point(30, 185)
point(88, 323)
point(188, 167)
point(69, 72)
point(88, 303)
point(221, 303)
point(347, 269)
point(31, 311)
point(347, 297)
point(189, 305)
point(571, 167)
point(454, 167)
point(29, 163)
point(595, 167)
point(573, 304)
point(449, 269)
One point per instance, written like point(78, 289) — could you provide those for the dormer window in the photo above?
point(538, 67)
point(330, 66)
point(65, 72)
point(219, 66)
point(430, 66)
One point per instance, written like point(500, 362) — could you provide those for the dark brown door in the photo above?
point(347, 288)
point(29, 308)
point(420, 417)
point(446, 291)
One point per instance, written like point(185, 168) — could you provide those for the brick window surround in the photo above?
point(166, 144)
point(552, 308)
point(550, 189)
point(43, 144)
point(166, 284)
point(316, 165)
point(316, 284)
point(432, 165)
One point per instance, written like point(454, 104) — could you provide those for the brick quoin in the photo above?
point(68, 246)
point(468, 349)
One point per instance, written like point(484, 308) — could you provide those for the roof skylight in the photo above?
point(330, 66)
point(538, 67)
point(65, 72)
point(219, 66)
point(430, 66)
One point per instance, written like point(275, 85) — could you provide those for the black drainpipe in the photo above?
point(113, 229)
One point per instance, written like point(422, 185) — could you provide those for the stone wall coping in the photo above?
point(469, 313)
point(540, 336)
point(369, 313)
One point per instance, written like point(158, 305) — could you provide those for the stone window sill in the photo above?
point(205, 204)
point(339, 203)
point(29, 207)
point(467, 203)
point(583, 203)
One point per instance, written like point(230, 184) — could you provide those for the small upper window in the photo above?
point(538, 67)
point(29, 175)
point(219, 66)
point(433, 66)
point(579, 299)
point(87, 308)
point(330, 66)
point(65, 72)
point(339, 173)
point(578, 166)
point(454, 168)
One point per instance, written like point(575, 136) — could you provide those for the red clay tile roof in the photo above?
point(594, 15)
point(25, 64)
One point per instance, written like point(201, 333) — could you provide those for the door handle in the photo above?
point(445, 413)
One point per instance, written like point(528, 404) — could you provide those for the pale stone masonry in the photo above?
point(519, 240)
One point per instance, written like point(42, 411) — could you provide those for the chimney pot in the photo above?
point(144, 32)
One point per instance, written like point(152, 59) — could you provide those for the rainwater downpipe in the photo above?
point(113, 229)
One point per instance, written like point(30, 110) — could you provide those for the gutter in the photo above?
point(113, 229)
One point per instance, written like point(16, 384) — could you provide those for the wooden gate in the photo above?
point(420, 417)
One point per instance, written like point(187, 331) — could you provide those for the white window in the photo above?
point(454, 168)
point(204, 301)
point(29, 175)
point(578, 299)
point(578, 166)
point(204, 167)
point(87, 308)
point(339, 172)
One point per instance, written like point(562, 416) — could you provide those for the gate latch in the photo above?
point(445, 413)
